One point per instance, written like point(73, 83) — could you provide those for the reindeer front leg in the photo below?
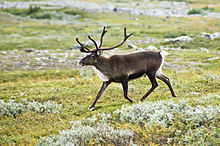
point(125, 88)
point(104, 86)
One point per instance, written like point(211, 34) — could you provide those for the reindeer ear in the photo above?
point(99, 52)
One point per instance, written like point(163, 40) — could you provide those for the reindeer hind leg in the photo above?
point(167, 81)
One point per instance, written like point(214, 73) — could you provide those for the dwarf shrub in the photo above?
point(12, 108)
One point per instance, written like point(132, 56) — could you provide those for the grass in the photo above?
point(77, 96)
point(76, 89)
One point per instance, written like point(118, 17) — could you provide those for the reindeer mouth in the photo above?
point(81, 63)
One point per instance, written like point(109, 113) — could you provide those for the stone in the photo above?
point(205, 50)
point(167, 48)
point(29, 50)
point(86, 43)
point(182, 39)
point(215, 36)
point(212, 58)
point(131, 46)
point(151, 48)
point(205, 35)
point(37, 59)
point(3, 52)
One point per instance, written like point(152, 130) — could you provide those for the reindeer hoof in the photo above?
point(141, 100)
point(91, 108)
point(175, 95)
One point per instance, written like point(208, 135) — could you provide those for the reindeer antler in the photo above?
point(125, 38)
point(101, 39)
point(94, 43)
point(83, 48)
point(103, 33)
point(86, 50)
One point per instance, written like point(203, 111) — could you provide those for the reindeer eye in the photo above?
point(93, 56)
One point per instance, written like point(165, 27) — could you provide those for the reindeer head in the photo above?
point(94, 55)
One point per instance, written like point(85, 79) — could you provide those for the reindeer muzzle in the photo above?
point(81, 62)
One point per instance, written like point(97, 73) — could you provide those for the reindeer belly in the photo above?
point(101, 75)
point(135, 75)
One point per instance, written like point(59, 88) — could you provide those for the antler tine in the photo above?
point(83, 48)
point(101, 39)
point(125, 38)
point(94, 43)
point(125, 34)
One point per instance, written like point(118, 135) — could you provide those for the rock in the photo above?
point(131, 46)
point(61, 60)
point(42, 51)
point(205, 35)
point(3, 52)
point(141, 49)
point(37, 59)
point(205, 50)
point(167, 48)
point(29, 50)
point(182, 39)
point(151, 48)
point(44, 64)
point(144, 41)
point(215, 36)
point(86, 43)
point(27, 67)
point(212, 58)
point(195, 93)
point(115, 9)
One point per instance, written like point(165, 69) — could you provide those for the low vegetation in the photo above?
point(163, 122)
point(195, 11)
point(50, 106)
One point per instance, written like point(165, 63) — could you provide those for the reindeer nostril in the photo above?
point(81, 62)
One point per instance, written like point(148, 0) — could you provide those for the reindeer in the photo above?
point(123, 68)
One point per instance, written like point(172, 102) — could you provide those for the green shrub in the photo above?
point(195, 11)
point(208, 8)
point(41, 16)
point(23, 12)
point(15, 11)
point(174, 34)
point(33, 9)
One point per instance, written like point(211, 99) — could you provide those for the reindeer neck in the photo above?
point(102, 63)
